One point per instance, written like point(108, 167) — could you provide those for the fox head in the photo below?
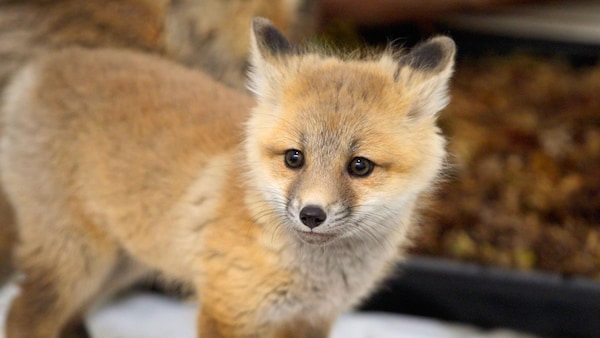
point(342, 148)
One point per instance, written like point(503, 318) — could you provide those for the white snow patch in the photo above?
point(147, 315)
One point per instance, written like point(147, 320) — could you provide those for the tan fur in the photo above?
point(120, 165)
point(218, 42)
point(28, 28)
point(208, 34)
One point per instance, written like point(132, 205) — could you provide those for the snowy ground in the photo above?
point(154, 316)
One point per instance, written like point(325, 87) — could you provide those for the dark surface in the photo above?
point(542, 304)
point(478, 44)
point(474, 44)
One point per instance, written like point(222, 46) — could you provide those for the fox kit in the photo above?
point(282, 211)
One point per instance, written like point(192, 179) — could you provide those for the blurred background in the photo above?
point(513, 239)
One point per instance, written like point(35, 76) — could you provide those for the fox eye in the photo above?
point(360, 167)
point(294, 159)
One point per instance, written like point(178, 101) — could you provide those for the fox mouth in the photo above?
point(311, 237)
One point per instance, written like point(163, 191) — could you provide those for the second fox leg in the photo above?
point(60, 280)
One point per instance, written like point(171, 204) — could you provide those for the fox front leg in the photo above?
point(211, 327)
point(302, 329)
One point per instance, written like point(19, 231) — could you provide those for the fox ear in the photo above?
point(268, 47)
point(425, 73)
point(268, 40)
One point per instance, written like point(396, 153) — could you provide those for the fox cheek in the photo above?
point(348, 198)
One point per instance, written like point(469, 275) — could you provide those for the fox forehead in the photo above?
point(344, 84)
point(343, 109)
point(338, 93)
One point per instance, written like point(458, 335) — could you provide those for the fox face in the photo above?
point(343, 148)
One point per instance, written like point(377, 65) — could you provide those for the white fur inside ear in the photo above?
point(429, 92)
point(263, 79)
point(432, 94)
point(256, 81)
point(262, 75)
point(424, 73)
point(268, 47)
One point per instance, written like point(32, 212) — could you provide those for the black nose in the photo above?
point(312, 216)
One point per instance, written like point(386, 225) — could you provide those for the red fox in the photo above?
point(282, 211)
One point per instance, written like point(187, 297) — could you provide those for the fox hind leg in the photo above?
point(61, 278)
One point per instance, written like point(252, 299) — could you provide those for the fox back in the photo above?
point(179, 30)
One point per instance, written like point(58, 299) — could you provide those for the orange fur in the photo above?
point(179, 30)
point(121, 165)
point(207, 34)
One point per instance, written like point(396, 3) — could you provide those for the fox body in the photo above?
point(282, 211)
point(212, 35)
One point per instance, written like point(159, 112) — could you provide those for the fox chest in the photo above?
point(325, 285)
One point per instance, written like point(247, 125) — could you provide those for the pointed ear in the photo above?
point(269, 41)
point(268, 47)
point(425, 73)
